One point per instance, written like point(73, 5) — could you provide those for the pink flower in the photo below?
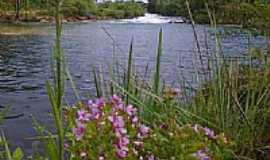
point(210, 133)
point(100, 103)
point(120, 132)
point(90, 103)
point(95, 112)
point(135, 120)
point(144, 130)
point(117, 121)
point(66, 146)
point(79, 131)
point(151, 157)
point(83, 115)
point(131, 111)
point(201, 155)
point(121, 152)
point(96, 108)
point(123, 141)
point(117, 103)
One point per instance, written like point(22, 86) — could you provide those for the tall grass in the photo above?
point(235, 101)
point(157, 69)
point(56, 92)
point(129, 70)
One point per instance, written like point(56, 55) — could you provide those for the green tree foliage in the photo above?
point(244, 12)
point(30, 9)
point(121, 10)
point(79, 7)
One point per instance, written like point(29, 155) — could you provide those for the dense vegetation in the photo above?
point(226, 118)
point(34, 10)
point(244, 12)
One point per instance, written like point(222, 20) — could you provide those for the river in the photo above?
point(25, 60)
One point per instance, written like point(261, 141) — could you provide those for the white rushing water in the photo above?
point(152, 18)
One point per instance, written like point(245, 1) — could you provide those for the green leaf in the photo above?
point(17, 154)
point(51, 148)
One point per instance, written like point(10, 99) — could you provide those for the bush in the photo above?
point(121, 10)
point(79, 7)
point(112, 130)
point(106, 130)
point(237, 102)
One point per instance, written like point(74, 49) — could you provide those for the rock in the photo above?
point(81, 18)
point(14, 116)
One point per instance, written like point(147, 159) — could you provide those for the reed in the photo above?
point(235, 101)
point(55, 149)
point(158, 61)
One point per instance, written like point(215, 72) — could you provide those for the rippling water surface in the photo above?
point(25, 60)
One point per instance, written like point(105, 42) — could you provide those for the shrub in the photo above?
point(79, 7)
point(105, 130)
point(237, 102)
point(112, 130)
point(121, 10)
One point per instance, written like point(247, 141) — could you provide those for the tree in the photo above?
point(17, 9)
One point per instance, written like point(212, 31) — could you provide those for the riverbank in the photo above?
point(50, 19)
point(72, 11)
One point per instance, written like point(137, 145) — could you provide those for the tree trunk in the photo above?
point(17, 9)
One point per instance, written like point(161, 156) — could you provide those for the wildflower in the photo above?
point(120, 132)
point(115, 100)
point(121, 152)
point(100, 103)
point(143, 130)
point(120, 106)
point(83, 115)
point(117, 103)
point(123, 141)
point(210, 133)
point(131, 111)
point(177, 90)
point(117, 121)
point(151, 157)
point(79, 130)
point(96, 108)
point(66, 146)
point(90, 103)
point(201, 155)
point(101, 158)
point(135, 120)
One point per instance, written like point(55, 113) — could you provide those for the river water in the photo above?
point(25, 60)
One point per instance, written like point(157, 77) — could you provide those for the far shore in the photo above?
point(50, 19)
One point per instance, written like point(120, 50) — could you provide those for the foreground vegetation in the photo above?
point(72, 10)
point(227, 117)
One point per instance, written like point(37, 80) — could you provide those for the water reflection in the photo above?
point(23, 62)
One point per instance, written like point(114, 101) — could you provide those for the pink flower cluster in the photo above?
point(201, 155)
point(119, 125)
point(93, 112)
point(207, 131)
point(119, 116)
